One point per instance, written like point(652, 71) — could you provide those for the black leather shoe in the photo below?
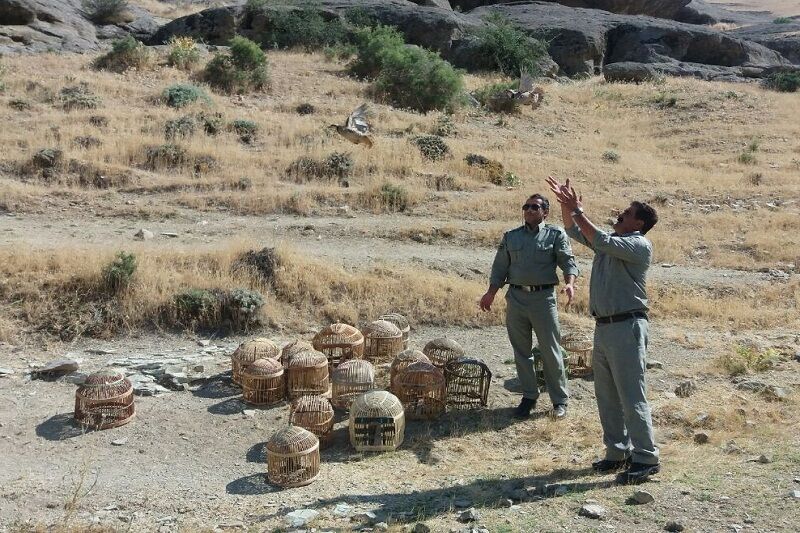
point(524, 408)
point(559, 412)
point(605, 465)
point(638, 473)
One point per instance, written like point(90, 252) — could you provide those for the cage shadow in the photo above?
point(257, 453)
point(252, 485)
point(61, 427)
point(231, 406)
point(218, 386)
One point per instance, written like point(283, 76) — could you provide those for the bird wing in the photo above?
point(525, 81)
point(357, 121)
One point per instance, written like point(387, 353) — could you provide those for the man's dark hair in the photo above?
point(545, 201)
point(646, 214)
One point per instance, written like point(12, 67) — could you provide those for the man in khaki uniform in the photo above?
point(618, 301)
point(526, 260)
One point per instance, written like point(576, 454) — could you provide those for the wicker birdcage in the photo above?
point(422, 390)
point(314, 413)
point(249, 351)
point(468, 383)
point(579, 354)
point(382, 341)
point(308, 374)
point(377, 422)
point(402, 324)
point(339, 342)
point(263, 382)
point(401, 362)
point(442, 350)
point(292, 457)
point(105, 400)
point(293, 348)
point(350, 380)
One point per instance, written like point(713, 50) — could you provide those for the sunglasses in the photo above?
point(534, 207)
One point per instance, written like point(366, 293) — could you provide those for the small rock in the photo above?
point(143, 235)
point(654, 364)
point(593, 511)
point(381, 526)
point(797, 356)
point(251, 413)
point(667, 265)
point(686, 388)
point(641, 497)
point(700, 438)
point(301, 517)
point(342, 509)
point(763, 459)
point(6, 371)
point(470, 515)
point(556, 489)
point(204, 342)
point(673, 526)
point(419, 527)
point(795, 494)
point(169, 234)
point(364, 516)
point(343, 209)
point(56, 368)
point(234, 524)
point(119, 442)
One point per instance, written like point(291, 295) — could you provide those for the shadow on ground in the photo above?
point(60, 427)
point(218, 386)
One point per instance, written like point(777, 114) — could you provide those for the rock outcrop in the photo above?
point(655, 8)
point(783, 38)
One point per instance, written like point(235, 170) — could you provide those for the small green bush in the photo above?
point(305, 109)
point(235, 310)
point(394, 197)
point(105, 11)
point(246, 54)
point(610, 156)
point(247, 130)
point(358, 17)
point(495, 172)
point(785, 82)
point(747, 158)
point(119, 273)
point(165, 156)
point(197, 305)
point(125, 54)
point(745, 359)
point(212, 122)
point(242, 70)
point(782, 20)
point(78, 97)
point(432, 147)
point(241, 307)
point(486, 92)
point(183, 53)
point(372, 45)
point(339, 164)
point(340, 51)
point(664, 100)
point(302, 28)
point(181, 127)
point(445, 127)
point(182, 94)
point(510, 48)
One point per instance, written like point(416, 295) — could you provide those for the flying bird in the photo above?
point(356, 128)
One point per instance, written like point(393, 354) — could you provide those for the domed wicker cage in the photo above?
point(292, 457)
point(350, 380)
point(402, 324)
point(442, 350)
point(249, 351)
point(377, 422)
point(314, 413)
point(468, 383)
point(263, 382)
point(293, 348)
point(308, 374)
point(422, 390)
point(401, 362)
point(339, 342)
point(579, 353)
point(382, 341)
point(105, 400)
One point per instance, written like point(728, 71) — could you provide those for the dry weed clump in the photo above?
point(747, 359)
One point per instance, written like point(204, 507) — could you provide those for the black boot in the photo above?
point(524, 408)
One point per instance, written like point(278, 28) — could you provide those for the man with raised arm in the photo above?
point(618, 302)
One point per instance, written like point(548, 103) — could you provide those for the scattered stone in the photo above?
point(143, 235)
point(667, 265)
point(234, 524)
point(343, 210)
point(470, 515)
point(593, 511)
point(700, 438)
point(251, 413)
point(149, 389)
point(686, 388)
point(364, 516)
point(507, 503)
point(641, 497)
point(170, 234)
point(654, 364)
point(204, 342)
point(673, 526)
point(797, 356)
point(795, 494)
point(342, 509)
point(555, 489)
point(419, 527)
point(381, 526)
point(100, 351)
point(301, 517)
point(119, 442)
point(763, 459)
point(6, 371)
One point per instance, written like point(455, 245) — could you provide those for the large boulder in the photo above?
point(783, 38)
point(655, 8)
point(444, 4)
point(701, 12)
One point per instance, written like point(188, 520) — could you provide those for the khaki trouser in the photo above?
point(536, 312)
point(618, 362)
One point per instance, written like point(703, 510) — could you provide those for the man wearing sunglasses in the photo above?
point(526, 260)
point(618, 301)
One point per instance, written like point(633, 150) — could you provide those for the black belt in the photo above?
point(620, 317)
point(533, 288)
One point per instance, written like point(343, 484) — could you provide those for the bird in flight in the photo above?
point(356, 128)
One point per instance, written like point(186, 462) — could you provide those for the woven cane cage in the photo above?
point(468, 383)
point(401, 362)
point(382, 341)
point(402, 324)
point(292, 457)
point(377, 422)
point(339, 342)
point(579, 353)
point(308, 374)
point(263, 382)
point(105, 400)
point(442, 350)
point(422, 390)
point(350, 380)
point(249, 351)
point(314, 413)
point(293, 348)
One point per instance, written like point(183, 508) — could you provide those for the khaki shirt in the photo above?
point(530, 257)
point(618, 283)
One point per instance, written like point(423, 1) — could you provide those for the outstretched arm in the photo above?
point(572, 208)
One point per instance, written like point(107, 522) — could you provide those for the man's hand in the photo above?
point(565, 194)
point(569, 290)
point(486, 301)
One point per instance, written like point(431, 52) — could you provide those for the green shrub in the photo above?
point(509, 47)
point(181, 127)
point(358, 17)
point(235, 310)
point(247, 130)
point(78, 97)
point(105, 11)
point(495, 172)
point(744, 359)
point(782, 20)
point(336, 165)
point(339, 164)
point(212, 122)
point(340, 51)
point(511, 180)
point(432, 147)
point(305, 109)
point(125, 54)
point(445, 127)
point(786, 82)
point(182, 94)
point(611, 156)
point(483, 94)
point(302, 28)
point(747, 158)
point(664, 100)
point(394, 197)
point(419, 79)
point(242, 70)
point(241, 307)
point(195, 306)
point(119, 273)
point(165, 156)
point(372, 45)
point(476, 160)
point(183, 53)
point(246, 54)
